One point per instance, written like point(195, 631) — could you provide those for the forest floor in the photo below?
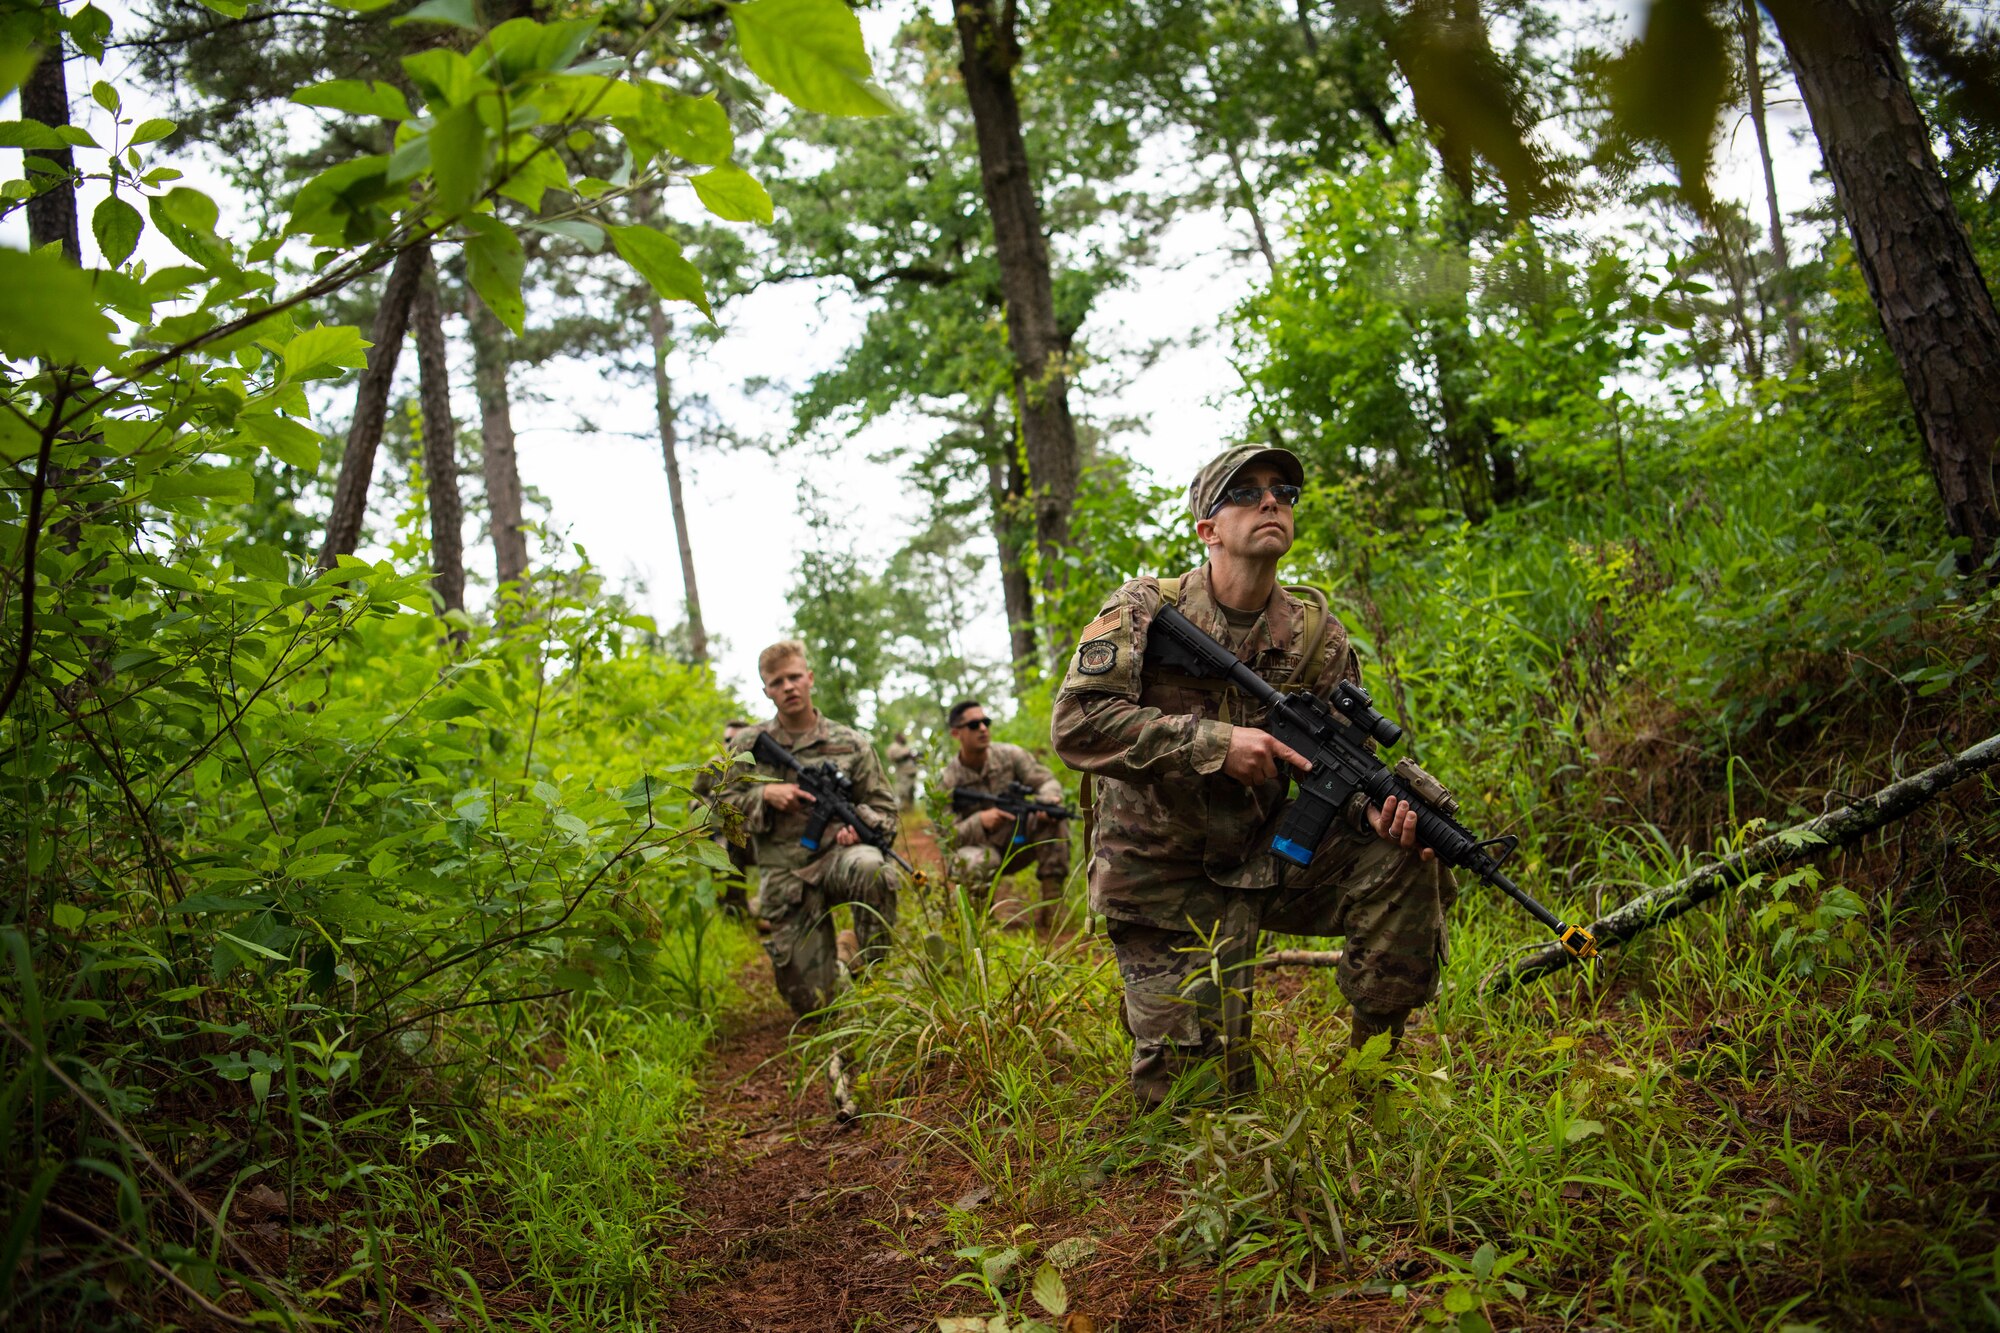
point(801, 1223)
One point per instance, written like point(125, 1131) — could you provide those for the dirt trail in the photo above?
point(802, 1225)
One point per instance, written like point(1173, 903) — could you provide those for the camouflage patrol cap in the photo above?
point(1220, 472)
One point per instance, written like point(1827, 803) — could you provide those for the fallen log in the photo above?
point(1800, 842)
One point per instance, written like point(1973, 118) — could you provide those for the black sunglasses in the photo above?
point(1284, 493)
point(975, 722)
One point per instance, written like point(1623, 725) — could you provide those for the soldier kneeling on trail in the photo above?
point(1190, 792)
point(986, 838)
point(799, 887)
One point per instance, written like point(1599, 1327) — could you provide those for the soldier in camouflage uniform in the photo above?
point(1190, 792)
point(903, 762)
point(985, 837)
point(800, 888)
point(735, 893)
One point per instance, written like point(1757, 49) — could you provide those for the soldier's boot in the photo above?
point(1184, 1075)
point(1368, 1022)
point(845, 946)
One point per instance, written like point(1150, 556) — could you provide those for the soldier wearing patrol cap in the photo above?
point(1190, 791)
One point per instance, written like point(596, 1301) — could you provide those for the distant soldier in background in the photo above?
point(735, 893)
point(799, 888)
point(903, 763)
point(985, 836)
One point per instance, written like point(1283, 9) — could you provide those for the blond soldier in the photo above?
point(799, 888)
point(985, 837)
point(1190, 792)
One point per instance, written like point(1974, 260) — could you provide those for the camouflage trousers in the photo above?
point(801, 943)
point(906, 788)
point(1189, 993)
point(977, 863)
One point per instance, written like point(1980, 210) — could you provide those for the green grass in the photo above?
point(1727, 1128)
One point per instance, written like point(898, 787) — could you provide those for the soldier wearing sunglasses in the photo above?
point(1189, 792)
point(985, 837)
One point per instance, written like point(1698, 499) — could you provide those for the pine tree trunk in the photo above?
point(990, 52)
point(371, 405)
point(440, 446)
point(490, 359)
point(1003, 491)
point(663, 399)
point(1936, 309)
point(1781, 252)
point(52, 213)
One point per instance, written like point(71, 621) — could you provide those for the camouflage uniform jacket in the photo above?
point(1168, 824)
point(902, 756)
point(1004, 764)
point(775, 834)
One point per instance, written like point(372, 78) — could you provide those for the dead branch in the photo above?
point(1798, 843)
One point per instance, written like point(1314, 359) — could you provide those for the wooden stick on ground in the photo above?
point(842, 1091)
point(1300, 958)
point(1803, 841)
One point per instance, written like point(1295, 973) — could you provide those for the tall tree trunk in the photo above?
point(663, 400)
point(490, 359)
point(1003, 491)
point(1914, 252)
point(52, 213)
point(371, 404)
point(1781, 252)
point(440, 445)
point(990, 51)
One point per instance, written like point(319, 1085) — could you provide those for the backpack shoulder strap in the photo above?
point(1317, 621)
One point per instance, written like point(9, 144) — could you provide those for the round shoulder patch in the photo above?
point(1097, 657)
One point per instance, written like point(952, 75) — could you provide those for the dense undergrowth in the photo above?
point(1778, 1112)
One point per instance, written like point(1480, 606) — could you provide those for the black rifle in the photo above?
point(1342, 765)
point(833, 799)
point(1017, 800)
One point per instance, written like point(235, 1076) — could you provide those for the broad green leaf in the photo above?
point(325, 351)
point(522, 46)
point(586, 234)
point(1582, 1129)
point(493, 265)
point(656, 257)
point(692, 128)
point(533, 173)
point(117, 225)
point(451, 706)
point(456, 13)
point(361, 6)
point(16, 63)
point(362, 97)
point(812, 52)
point(225, 485)
point(339, 198)
point(312, 867)
point(69, 916)
point(1049, 1291)
point(733, 195)
point(152, 131)
point(443, 76)
point(585, 96)
point(105, 96)
point(187, 218)
point(28, 134)
point(458, 158)
point(260, 950)
point(18, 439)
point(47, 310)
point(289, 441)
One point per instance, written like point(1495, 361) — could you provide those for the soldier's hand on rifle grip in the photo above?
point(846, 837)
point(993, 818)
point(1397, 822)
point(1254, 756)
point(786, 796)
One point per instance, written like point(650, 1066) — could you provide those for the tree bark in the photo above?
point(990, 51)
point(1813, 838)
point(51, 213)
point(1003, 491)
point(663, 401)
point(371, 405)
point(1936, 309)
point(1781, 252)
point(490, 359)
point(440, 445)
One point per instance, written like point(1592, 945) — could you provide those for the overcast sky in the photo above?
point(606, 489)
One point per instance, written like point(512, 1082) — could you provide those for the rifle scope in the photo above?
point(1355, 704)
